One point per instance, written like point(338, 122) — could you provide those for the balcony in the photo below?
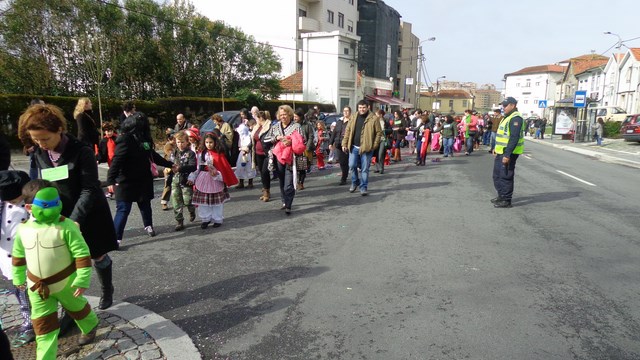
point(306, 24)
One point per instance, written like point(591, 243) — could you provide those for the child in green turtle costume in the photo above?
point(51, 256)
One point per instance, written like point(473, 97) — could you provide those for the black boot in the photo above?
point(105, 276)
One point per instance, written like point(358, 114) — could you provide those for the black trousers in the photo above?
point(503, 176)
point(262, 166)
point(287, 190)
point(343, 159)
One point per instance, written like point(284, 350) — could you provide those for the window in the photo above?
point(517, 84)
point(528, 83)
point(399, 51)
point(341, 20)
point(350, 2)
point(538, 83)
point(330, 16)
point(526, 101)
point(451, 104)
point(346, 51)
point(349, 26)
point(302, 13)
point(464, 103)
point(535, 101)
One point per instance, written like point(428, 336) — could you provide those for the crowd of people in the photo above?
point(199, 170)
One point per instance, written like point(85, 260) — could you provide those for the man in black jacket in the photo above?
point(335, 143)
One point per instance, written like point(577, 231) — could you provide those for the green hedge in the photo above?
point(612, 129)
point(161, 112)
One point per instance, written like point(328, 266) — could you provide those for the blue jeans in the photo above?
point(470, 140)
point(599, 140)
point(123, 208)
point(486, 137)
point(362, 161)
point(493, 140)
point(447, 143)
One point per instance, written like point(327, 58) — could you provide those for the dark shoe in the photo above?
point(192, 217)
point(179, 226)
point(205, 224)
point(287, 211)
point(382, 171)
point(502, 204)
point(342, 182)
point(283, 207)
point(165, 207)
point(217, 225)
point(250, 185)
point(150, 231)
point(105, 277)
point(300, 186)
point(496, 199)
point(240, 184)
point(353, 188)
point(24, 337)
point(85, 339)
point(376, 171)
point(66, 323)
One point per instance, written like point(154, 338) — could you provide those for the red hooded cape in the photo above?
point(221, 164)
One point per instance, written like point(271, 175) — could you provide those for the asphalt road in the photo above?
point(422, 268)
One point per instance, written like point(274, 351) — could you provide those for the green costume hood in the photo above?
point(47, 206)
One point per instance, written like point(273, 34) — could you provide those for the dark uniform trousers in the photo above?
point(343, 159)
point(503, 176)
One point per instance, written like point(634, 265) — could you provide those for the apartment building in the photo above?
point(406, 81)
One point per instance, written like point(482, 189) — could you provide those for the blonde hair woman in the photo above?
point(280, 133)
point(87, 128)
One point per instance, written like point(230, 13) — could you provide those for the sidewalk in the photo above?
point(615, 151)
point(125, 331)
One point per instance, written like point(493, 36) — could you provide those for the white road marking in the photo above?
point(576, 178)
point(527, 156)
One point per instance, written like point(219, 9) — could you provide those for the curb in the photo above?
point(174, 343)
point(600, 156)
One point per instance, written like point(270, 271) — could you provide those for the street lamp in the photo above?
point(619, 45)
point(438, 89)
point(421, 58)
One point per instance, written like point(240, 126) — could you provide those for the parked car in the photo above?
point(232, 117)
point(606, 113)
point(630, 128)
point(329, 118)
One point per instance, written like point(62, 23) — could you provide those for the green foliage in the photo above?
point(150, 50)
point(612, 129)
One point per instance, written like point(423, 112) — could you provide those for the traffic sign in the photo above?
point(542, 104)
point(580, 99)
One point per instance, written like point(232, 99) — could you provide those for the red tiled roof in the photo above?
point(450, 94)
point(618, 57)
point(583, 63)
point(292, 83)
point(636, 53)
point(540, 69)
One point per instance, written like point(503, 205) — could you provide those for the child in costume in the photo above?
point(244, 170)
point(52, 258)
point(181, 188)
point(107, 148)
point(212, 179)
point(13, 214)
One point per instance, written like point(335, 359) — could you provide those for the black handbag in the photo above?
point(302, 163)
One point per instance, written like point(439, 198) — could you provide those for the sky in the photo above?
point(481, 40)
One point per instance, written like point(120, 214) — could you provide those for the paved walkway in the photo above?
point(126, 331)
point(616, 151)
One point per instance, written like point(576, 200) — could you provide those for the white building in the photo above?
point(629, 82)
point(611, 74)
point(281, 23)
point(532, 84)
point(330, 68)
point(592, 81)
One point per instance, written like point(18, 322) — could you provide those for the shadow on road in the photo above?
point(237, 298)
point(545, 197)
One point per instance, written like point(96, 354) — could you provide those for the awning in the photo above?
point(386, 100)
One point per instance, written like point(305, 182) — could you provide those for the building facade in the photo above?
point(532, 84)
point(628, 87)
point(377, 28)
point(446, 101)
point(405, 83)
point(282, 25)
point(328, 78)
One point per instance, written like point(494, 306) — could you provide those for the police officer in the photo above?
point(509, 145)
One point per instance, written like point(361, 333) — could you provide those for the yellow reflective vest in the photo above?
point(503, 133)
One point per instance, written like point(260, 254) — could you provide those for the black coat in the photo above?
point(87, 129)
point(82, 198)
point(131, 169)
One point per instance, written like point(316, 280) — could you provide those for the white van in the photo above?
point(607, 113)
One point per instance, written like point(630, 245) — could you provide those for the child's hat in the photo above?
point(11, 183)
point(193, 132)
